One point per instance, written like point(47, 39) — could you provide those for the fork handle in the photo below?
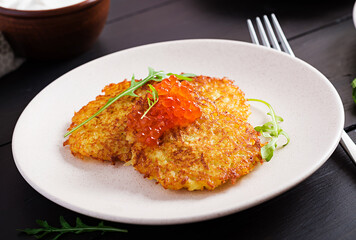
point(348, 145)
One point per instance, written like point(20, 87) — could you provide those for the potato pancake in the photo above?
point(104, 137)
point(205, 154)
point(217, 147)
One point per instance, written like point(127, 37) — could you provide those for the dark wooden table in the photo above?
point(321, 207)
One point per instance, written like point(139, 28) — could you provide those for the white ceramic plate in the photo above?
point(311, 107)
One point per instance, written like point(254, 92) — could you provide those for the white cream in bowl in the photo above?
point(37, 4)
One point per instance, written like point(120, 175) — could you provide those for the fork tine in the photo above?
point(252, 32)
point(281, 36)
point(262, 33)
point(271, 34)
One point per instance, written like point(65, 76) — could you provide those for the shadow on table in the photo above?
point(283, 8)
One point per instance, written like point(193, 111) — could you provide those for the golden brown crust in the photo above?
point(227, 97)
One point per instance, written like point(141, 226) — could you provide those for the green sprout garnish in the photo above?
point(270, 130)
point(80, 227)
point(353, 84)
point(154, 100)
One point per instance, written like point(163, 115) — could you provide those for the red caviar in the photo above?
point(175, 107)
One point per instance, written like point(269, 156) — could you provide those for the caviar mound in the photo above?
point(216, 148)
point(104, 137)
point(176, 107)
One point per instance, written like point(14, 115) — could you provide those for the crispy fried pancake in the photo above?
point(104, 137)
point(217, 147)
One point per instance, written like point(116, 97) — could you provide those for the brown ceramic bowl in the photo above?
point(54, 34)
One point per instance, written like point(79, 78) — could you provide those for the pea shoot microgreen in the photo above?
point(56, 232)
point(154, 100)
point(153, 75)
point(353, 84)
point(270, 130)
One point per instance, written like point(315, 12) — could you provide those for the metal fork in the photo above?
point(283, 45)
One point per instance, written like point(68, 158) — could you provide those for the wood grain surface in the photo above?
point(321, 207)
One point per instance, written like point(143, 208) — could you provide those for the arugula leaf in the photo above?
point(270, 130)
point(80, 227)
point(153, 75)
point(184, 76)
point(154, 100)
point(353, 84)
